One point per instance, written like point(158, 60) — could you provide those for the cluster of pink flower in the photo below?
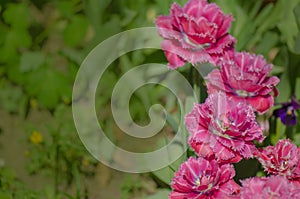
point(223, 129)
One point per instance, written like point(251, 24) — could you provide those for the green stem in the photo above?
point(203, 90)
point(56, 169)
point(76, 176)
point(289, 132)
point(191, 75)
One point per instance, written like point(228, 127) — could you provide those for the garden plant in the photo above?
point(194, 99)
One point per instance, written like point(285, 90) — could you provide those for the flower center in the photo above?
point(197, 46)
point(284, 164)
point(289, 110)
point(243, 93)
point(223, 127)
point(209, 186)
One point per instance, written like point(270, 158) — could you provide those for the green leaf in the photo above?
point(48, 86)
point(288, 24)
point(11, 98)
point(74, 55)
point(5, 195)
point(277, 70)
point(297, 14)
point(17, 15)
point(297, 90)
point(261, 18)
point(282, 59)
point(31, 61)
point(280, 132)
point(297, 44)
point(166, 174)
point(14, 74)
point(14, 39)
point(96, 12)
point(293, 69)
point(268, 41)
point(109, 28)
point(129, 16)
point(75, 31)
point(163, 6)
point(284, 88)
point(255, 9)
point(66, 8)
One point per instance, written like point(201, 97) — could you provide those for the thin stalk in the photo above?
point(203, 89)
point(56, 169)
point(289, 132)
point(191, 75)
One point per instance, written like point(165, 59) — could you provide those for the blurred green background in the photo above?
point(42, 44)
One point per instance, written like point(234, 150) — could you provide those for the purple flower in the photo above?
point(287, 112)
point(196, 33)
point(201, 178)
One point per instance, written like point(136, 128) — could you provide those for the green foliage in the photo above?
point(75, 31)
point(11, 187)
point(42, 44)
point(31, 61)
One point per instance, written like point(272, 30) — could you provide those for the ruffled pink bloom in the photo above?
point(196, 33)
point(275, 187)
point(245, 77)
point(281, 159)
point(223, 129)
point(201, 178)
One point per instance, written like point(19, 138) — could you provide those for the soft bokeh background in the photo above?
point(42, 44)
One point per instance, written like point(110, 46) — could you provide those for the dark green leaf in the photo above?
point(297, 92)
point(31, 61)
point(284, 88)
point(48, 86)
point(66, 8)
point(75, 31)
point(17, 15)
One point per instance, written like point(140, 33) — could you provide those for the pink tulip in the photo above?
point(201, 178)
point(196, 33)
point(245, 77)
point(275, 187)
point(223, 129)
point(281, 159)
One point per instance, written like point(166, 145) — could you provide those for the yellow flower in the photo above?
point(33, 103)
point(36, 137)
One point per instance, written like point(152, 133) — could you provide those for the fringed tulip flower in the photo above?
point(223, 129)
point(200, 178)
point(245, 77)
point(196, 33)
point(281, 159)
point(275, 187)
